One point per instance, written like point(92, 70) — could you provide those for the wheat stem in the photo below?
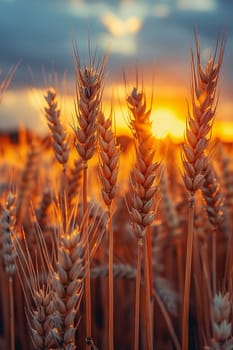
point(137, 294)
point(188, 266)
point(148, 299)
point(12, 323)
point(214, 279)
point(149, 258)
point(198, 281)
point(167, 319)
point(87, 255)
point(110, 284)
point(109, 153)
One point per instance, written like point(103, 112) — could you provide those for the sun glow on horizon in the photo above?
point(166, 123)
point(24, 108)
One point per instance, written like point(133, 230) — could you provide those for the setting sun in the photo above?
point(165, 122)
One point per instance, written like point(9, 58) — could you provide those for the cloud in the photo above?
point(39, 33)
point(197, 5)
point(120, 27)
point(121, 45)
point(19, 110)
point(161, 10)
point(156, 36)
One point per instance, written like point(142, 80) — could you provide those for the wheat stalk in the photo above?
point(172, 222)
point(142, 204)
point(89, 88)
point(109, 154)
point(199, 124)
point(168, 206)
point(163, 293)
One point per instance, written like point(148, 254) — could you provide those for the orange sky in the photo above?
point(168, 112)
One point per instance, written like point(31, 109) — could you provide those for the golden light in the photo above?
point(166, 123)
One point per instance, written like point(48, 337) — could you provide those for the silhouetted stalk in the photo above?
point(147, 298)
point(137, 294)
point(207, 297)
point(89, 89)
point(149, 254)
point(64, 197)
point(195, 160)
point(4, 310)
point(167, 320)
point(12, 319)
point(179, 253)
point(197, 273)
point(87, 255)
point(228, 261)
point(110, 284)
point(180, 275)
point(188, 267)
point(143, 189)
point(109, 153)
point(150, 273)
point(214, 280)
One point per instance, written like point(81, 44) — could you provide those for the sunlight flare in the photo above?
point(165, 122)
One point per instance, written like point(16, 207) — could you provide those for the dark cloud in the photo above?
point(39, 33)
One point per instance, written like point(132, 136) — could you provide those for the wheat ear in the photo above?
point(142, 191)
point(39, 295)
point(89, 88)
point(68, 285)
point(225, 164)
point(109, 154)
point(214, 207)
point(221, 323)
point(199, 125)
point(213, 198)
point(59, 137)
point(7, 225)
point(44, 205)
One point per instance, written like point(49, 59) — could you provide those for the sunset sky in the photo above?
point(155, 36)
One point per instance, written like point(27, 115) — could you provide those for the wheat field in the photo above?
point(109, 242)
